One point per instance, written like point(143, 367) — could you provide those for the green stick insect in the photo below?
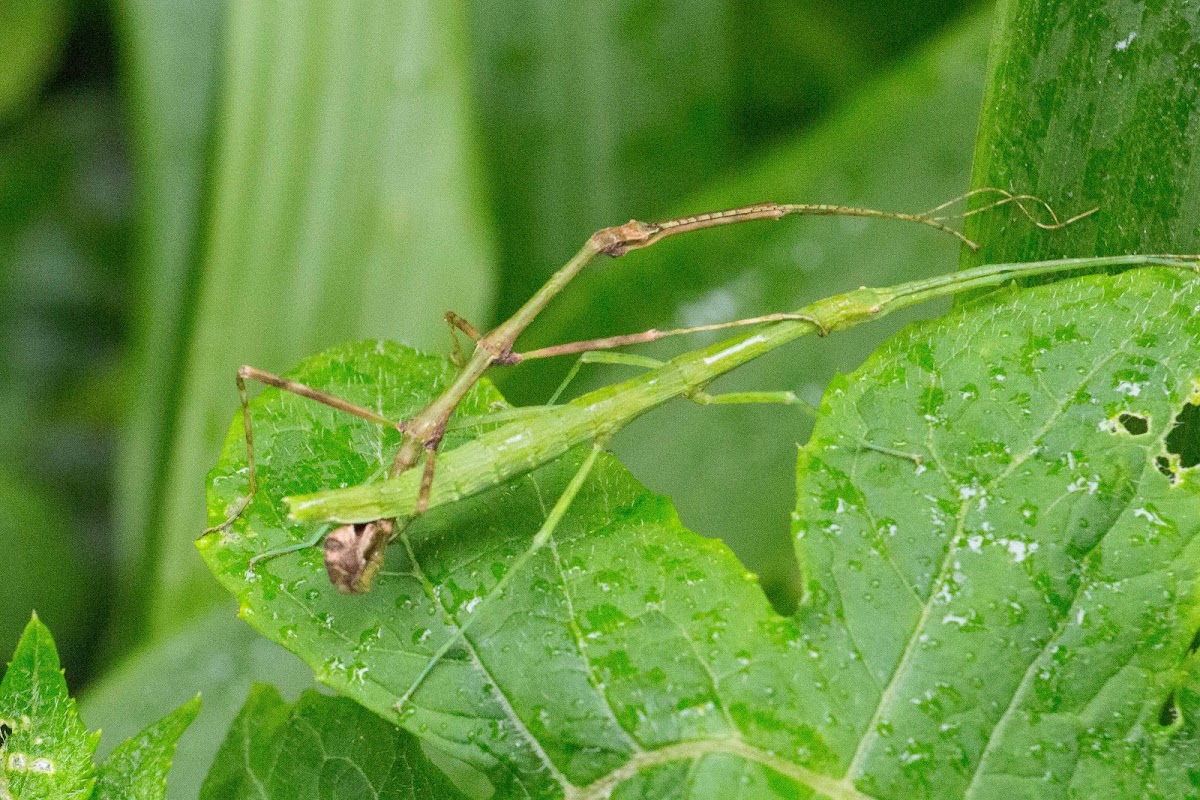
point(354, 552)
point(369, 516)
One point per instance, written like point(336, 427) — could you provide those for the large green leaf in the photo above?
point(902, 144)
point(1013, 611)
point(343, 203)
point(320, 748)
point(1093, 105)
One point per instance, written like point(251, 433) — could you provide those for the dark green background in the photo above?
point(187, 186)
point(115, 126)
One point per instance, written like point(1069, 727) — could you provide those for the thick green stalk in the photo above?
point(525, 444)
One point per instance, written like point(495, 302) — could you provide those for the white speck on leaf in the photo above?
point(1150, 516)
point(1018, 549)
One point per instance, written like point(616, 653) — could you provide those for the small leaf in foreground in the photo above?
point(45, 749)
point(137, 769)
point(321, 747)
point(216, 656)
point(48, 751)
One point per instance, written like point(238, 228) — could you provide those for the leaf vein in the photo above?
point(903, 666)
point(581, 645)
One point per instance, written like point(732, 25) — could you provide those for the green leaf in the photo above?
point(32, 33)
point(172, 52)
point(216, 655)
point(903, 144)
point(343, 202)
point(1021, 605)
point(1011, 612)
point(321, 747)
point(1092, 105)
point(137, 770)
point(47, 751)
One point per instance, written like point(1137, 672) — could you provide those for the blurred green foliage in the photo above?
point(189, 184)
point(65, 240)
point(31, 38)
point(286, 197)
point(193, 185)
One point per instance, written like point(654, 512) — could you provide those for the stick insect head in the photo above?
point(354, 553)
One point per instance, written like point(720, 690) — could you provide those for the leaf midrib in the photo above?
point(696, 749)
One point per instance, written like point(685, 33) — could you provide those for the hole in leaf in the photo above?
point(1184, 438)
point(1166, 468)
point(1134, 424)
point(4, 733)
point(1169, 713)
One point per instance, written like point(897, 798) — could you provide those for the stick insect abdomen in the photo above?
point(490, 460)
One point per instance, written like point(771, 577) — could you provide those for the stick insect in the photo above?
point(354, 550)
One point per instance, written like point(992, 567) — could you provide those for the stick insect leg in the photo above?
point(312, 541)
point(456, 324)
point(739, 398)
point(539, 541)
point(427, 479)
point(250, 373)
point(790, 398)
point(916, 458)
point(653, 335)
point(602, 357)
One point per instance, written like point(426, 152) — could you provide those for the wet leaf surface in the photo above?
point(999, 584)
point(47, 751)
point(320, 747)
